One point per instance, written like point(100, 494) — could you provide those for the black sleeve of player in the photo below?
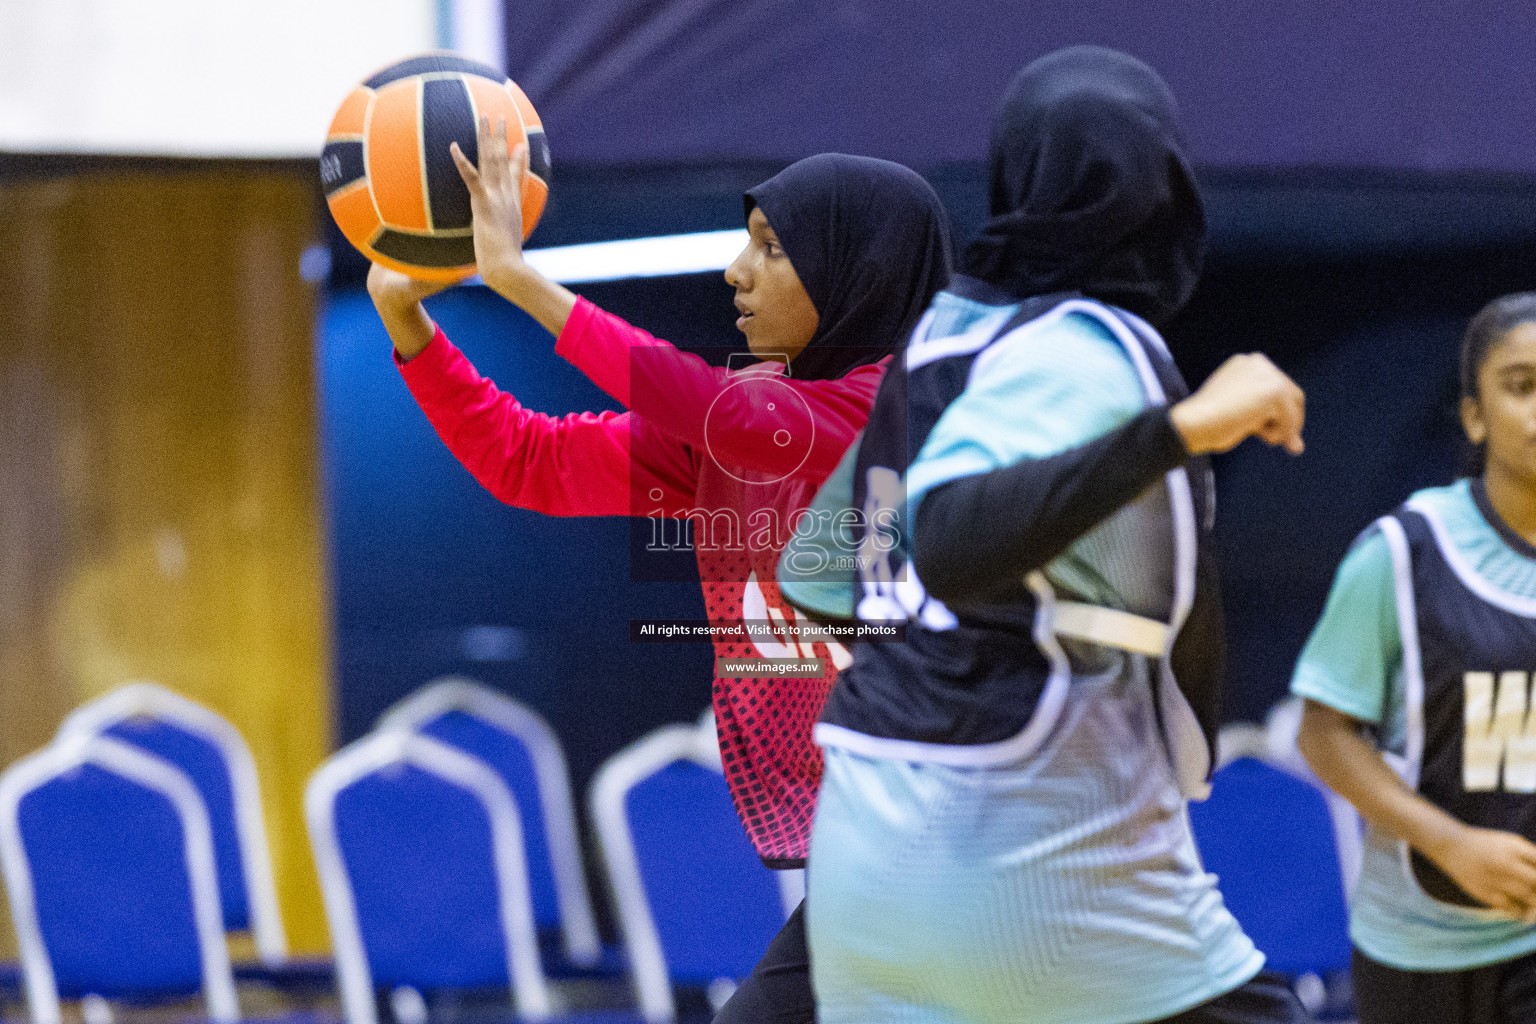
point(981, 534)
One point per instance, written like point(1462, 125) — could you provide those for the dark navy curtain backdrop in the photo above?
point(1381, 83)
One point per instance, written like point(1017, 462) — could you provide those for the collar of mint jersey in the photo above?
point(1519, 544)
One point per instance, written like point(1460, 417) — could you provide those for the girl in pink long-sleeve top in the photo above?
point(844, 255)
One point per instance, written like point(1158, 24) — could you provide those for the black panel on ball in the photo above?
point(426, 250)
point(341, 163)
point(538, 154)
point(430, 62)
point(447, 115)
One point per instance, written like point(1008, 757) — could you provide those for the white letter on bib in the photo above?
point(1498, 730)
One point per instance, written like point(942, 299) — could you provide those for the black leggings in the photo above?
point(1501, 993)
point(1265, 999)
point(778, 991)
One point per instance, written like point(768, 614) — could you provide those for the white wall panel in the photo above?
point(241, 78)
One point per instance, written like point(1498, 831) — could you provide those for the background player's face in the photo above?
point(777, 315)
point(1503, 415)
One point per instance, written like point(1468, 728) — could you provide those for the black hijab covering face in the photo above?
point(869, 240)
point(1090, 188)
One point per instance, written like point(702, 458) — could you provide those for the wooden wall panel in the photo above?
point(159, 472)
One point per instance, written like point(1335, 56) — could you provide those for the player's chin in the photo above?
point(757, 343)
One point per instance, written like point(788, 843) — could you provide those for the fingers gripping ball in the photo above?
point(389, 178)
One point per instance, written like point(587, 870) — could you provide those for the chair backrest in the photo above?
point(695, 902)
point(522, 748)
point(420, 853)
point(108, 859)
point(1269, 837)
point(213, 754)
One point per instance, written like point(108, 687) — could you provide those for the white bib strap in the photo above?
point(1112, 628)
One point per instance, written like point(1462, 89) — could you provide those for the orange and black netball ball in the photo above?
point(389, 178)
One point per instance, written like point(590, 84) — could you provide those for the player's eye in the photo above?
point(1520, 383)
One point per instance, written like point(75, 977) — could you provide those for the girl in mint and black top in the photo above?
point(1429, 640)
point(1000, 835)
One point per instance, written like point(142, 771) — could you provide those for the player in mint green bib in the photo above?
point(1417, 683)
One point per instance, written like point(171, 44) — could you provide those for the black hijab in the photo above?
point(1090, 187)
point(870, 243)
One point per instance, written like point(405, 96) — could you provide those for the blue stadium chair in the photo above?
point(519, 744)
point(1269, 837)
point(695, 903)
point(213, 754)
point(420, 852)
point(108, 859)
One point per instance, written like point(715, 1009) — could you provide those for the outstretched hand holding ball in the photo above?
point(496, 190)
point(495, 201)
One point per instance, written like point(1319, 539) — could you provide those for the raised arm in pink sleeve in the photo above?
point(580, 464)
point(734, 417)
